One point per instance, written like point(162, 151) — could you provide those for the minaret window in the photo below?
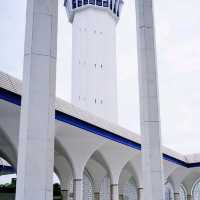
point(73, 4)
point(105, 3)
point(85, 2)
point(111, 4)
point(99, 2)
point(92, 2)
point(115, 6)
point(118, 11)
point(79, 3)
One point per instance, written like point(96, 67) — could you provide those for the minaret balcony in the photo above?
point(112, 6)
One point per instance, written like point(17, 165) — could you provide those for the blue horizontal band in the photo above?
point(68, 119)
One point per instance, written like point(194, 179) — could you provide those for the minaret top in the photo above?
point(112, 6)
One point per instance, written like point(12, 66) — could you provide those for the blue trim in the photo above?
point(7, 169)
point(191, 165)
point(175, 160)
point(10, 96)
point(95, 129)
point(63, 117)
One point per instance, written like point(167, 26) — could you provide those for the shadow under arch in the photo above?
point(130, 168)
point(100, 175)
point(195, 189)
point(169, 191)
point(59, 150)
point(190, 180)
point(64, 169)
point(7, 149)
point(128, 182)
point(98, 157)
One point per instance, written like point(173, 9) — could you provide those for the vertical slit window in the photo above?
point(92, 2)
point(73, 4)
point(118, 11)
point(115, 5)
point(99, 2)
point(105, 3)
point(111, 5)
point(85, 2)
point(79, 3)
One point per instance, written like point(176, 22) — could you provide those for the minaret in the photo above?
point(94, 71)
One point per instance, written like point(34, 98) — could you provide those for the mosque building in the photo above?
point(81, 142)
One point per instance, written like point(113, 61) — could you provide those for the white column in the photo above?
point(149, 102)
point(36, 137)
point(114, 192)
point(139, 193)
point(78, 189)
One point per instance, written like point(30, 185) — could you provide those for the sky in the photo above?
point(178, 40)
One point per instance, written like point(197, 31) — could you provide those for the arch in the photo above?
point(182, 192)
point(98, 157)
point(130, 190)
point(7, 149)
point(97, 160)
point(88, 186)
point(169, 191)
point(105, 192)
point(60, 150)
point(128, 183)
point(130, 168)
point(195, 192)
point(191, 179)
point(64, 168)
point(100, 178)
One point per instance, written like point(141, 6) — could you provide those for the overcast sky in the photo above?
point(178, 42)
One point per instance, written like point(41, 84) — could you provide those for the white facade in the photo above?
point(94, 70)
point(93, 158)
point(114, 164)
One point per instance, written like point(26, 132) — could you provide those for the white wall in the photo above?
point(94, 72)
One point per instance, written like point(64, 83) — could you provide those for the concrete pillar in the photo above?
point(114, 192)
point(139, 193)
point(96, 196)
point(189, 197)
point(65, 194)
point(176, 196)
point(36, 136)
point(78, 189)
point(149, 102)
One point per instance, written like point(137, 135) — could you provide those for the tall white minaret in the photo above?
point(94, 70)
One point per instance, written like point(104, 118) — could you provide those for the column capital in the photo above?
point(114, 185)
point(189, 197)
point(176, 196)
point(97, 196)
point(77, 179)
